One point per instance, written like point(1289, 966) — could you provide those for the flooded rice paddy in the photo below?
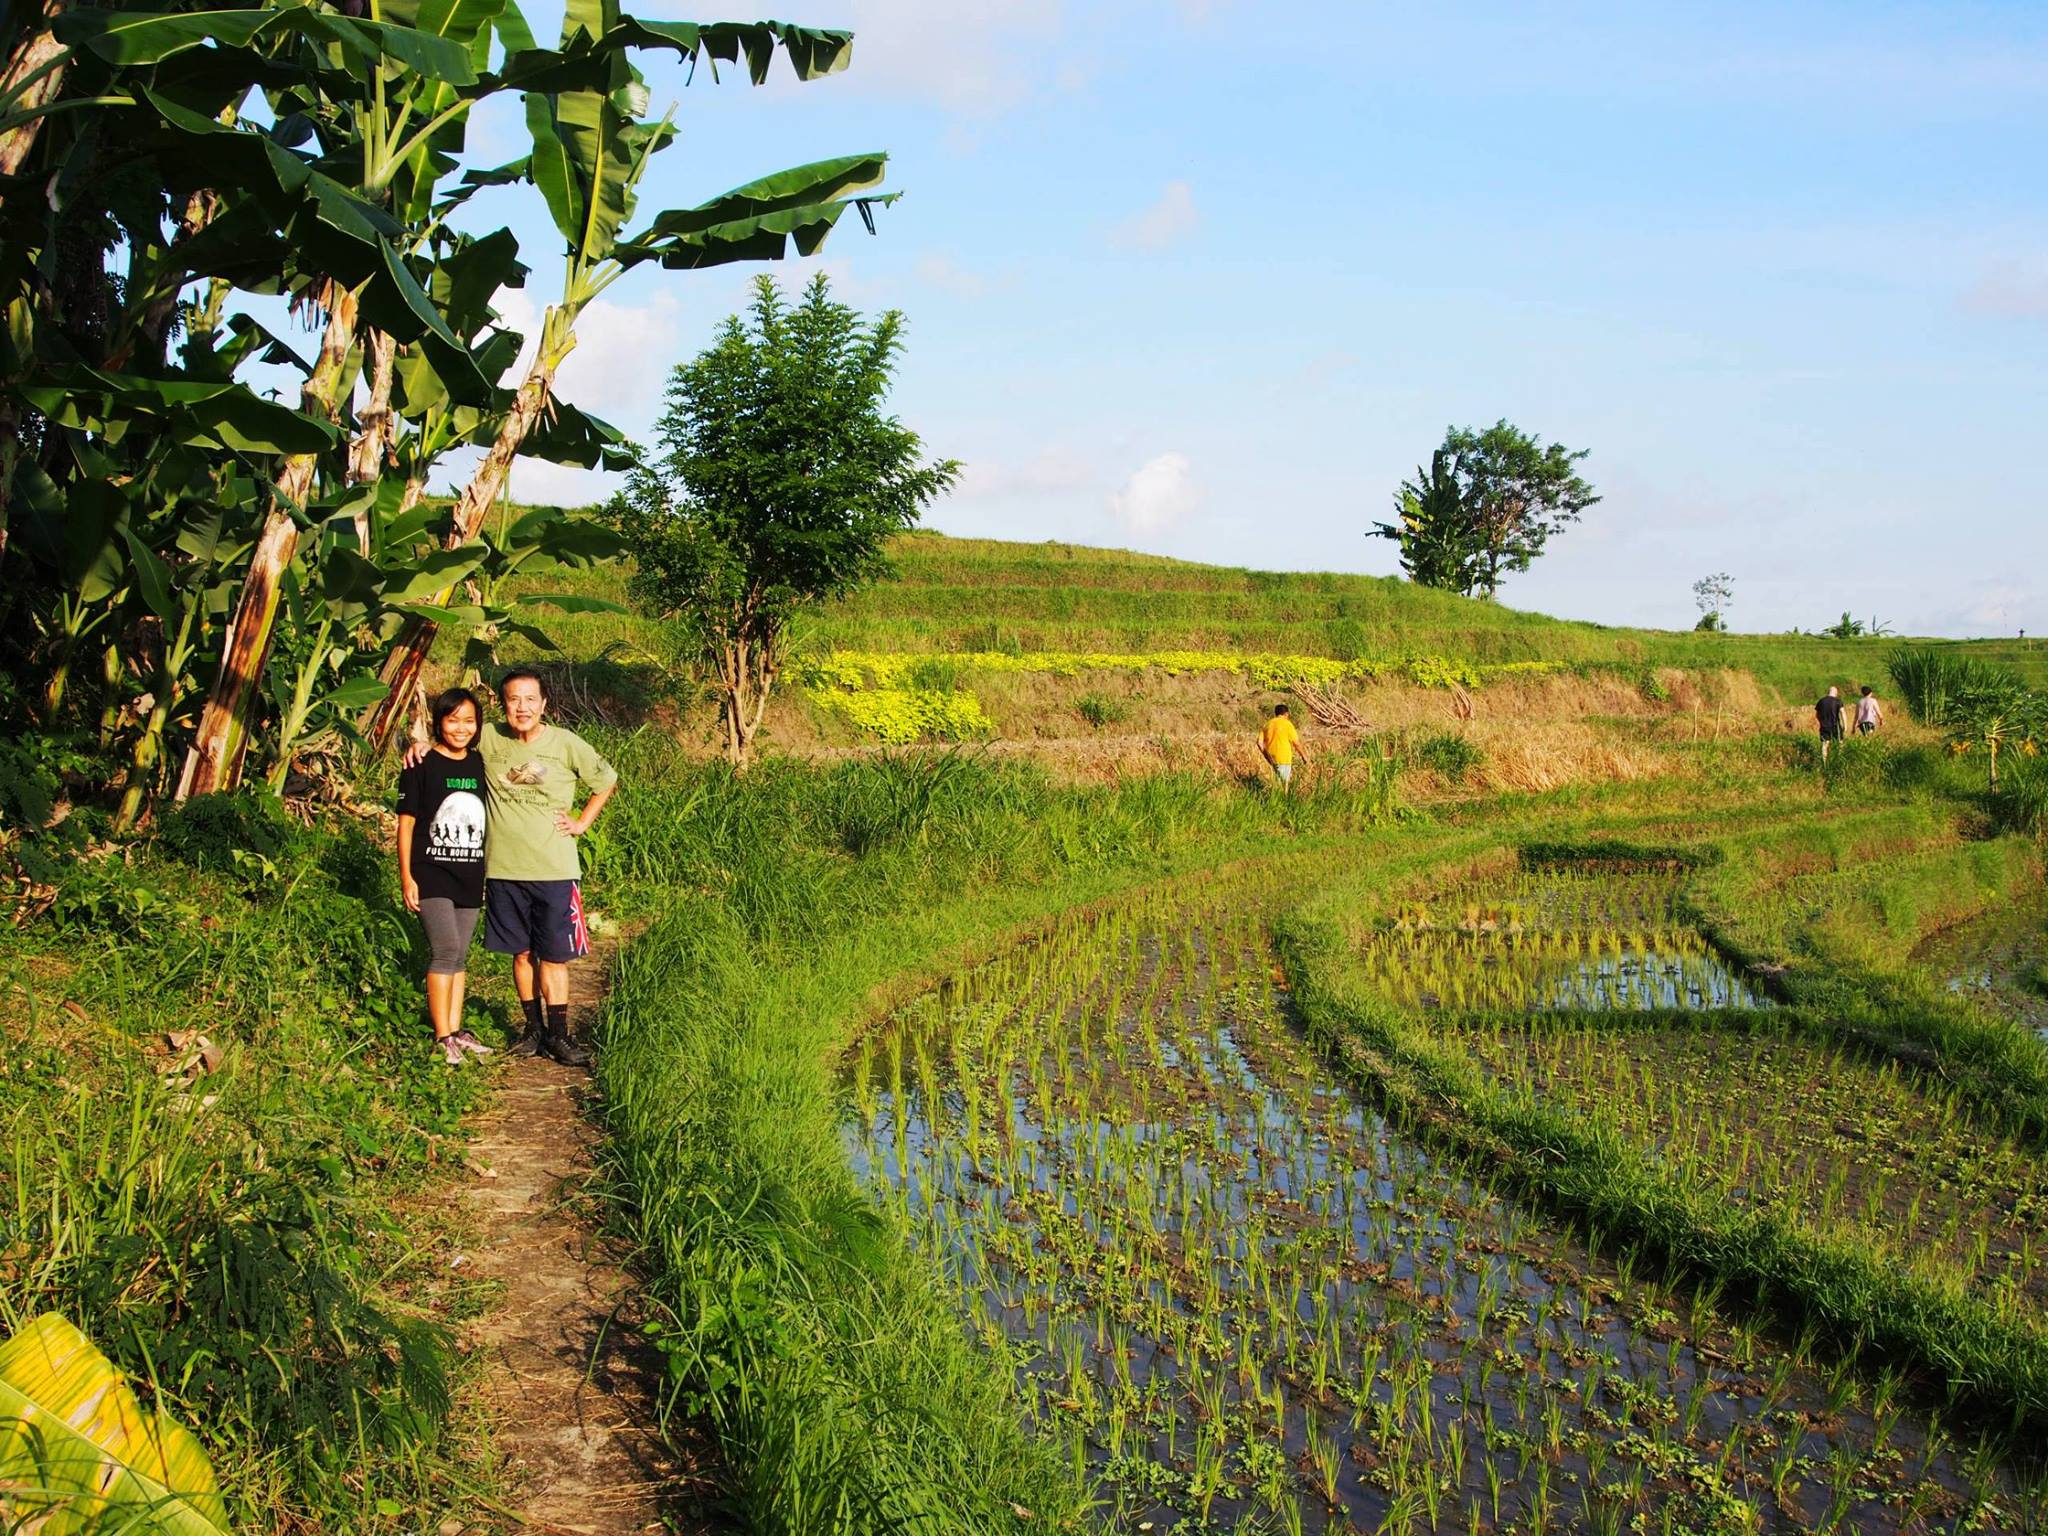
point(1243, 1302)
point(1875, 1154)
point(1999, 957)
point(1552, 942)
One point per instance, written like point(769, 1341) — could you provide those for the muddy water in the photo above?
point(1999, 958)
point(1247, 1304)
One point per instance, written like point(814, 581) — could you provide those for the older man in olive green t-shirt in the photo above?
point(533, 896)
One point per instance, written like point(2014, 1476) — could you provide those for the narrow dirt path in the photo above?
point(570, 1388)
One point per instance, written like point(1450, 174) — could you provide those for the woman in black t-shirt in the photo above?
point(441, 861)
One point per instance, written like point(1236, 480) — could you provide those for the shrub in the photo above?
point(1348, 640)
point(899, 716)
point(29, 782)
point(1914, 770)
point(208, 832)
point(1099, 709)
point(1450, 757)
point(1652, 688)
point(2021, 804)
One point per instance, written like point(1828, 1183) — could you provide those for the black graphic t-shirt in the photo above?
point(445, 797)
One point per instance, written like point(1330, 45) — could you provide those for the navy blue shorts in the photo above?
point(543, 918)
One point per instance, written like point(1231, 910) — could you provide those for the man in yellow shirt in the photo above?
point(1280, 743)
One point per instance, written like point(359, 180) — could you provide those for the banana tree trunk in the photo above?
point(214, 761)
point(36, 73)
point(401, 670)
point(149, 745)
point(373, 427)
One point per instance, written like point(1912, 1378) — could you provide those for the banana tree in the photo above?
point(178, 597)
point(394, 117)
point(591, 149)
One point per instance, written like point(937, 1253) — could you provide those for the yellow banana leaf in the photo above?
point(78, 1452)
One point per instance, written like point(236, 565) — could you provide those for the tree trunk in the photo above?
point(39, 53)
point(746, 665)
point(214, 761)
point(373, 428)
point(401, 670)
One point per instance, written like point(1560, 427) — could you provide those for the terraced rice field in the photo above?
point(2000, 958)
point(1244, 1302)
point(1871, 1153)
point(1548, 942)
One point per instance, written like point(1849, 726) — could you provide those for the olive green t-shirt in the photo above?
point(526, 784)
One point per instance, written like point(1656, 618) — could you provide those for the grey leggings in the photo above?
point(449, 930)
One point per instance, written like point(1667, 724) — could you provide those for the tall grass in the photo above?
point(1933, 679)
point(228, 1237)
point(2021, 804)
point(825, 1355)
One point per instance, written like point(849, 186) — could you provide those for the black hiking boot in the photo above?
point(558, 1045)
point(528, 1044)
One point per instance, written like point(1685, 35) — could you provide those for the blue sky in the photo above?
point(1209, 279)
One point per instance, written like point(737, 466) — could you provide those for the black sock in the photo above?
point(558, 1018)
point(532, 1007)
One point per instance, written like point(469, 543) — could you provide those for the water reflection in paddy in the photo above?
point(1242, 1298)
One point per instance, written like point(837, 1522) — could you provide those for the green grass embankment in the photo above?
point(234, 1229)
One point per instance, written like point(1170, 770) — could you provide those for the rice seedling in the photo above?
point(1328, 1323)
point(1776, 1119)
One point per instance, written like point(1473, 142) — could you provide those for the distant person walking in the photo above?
point(1280, 744)
point(533, 894)
point(1828, 711)
point(1869, 713)
point(441, 824)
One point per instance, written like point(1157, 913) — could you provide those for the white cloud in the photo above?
point(622, 359)
point(1052, 472)
point(939, 270)
point(560, 485)
point(1160, 493)
point(1162, 222)
point(2011, 289)
point(618, 371)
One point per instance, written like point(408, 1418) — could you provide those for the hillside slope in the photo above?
point(969, 595)
point(1107, 662)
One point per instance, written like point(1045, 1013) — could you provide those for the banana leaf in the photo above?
point(79, 1453)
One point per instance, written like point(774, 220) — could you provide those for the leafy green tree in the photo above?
point(1433, 527)
point(191, 571)
point(779, 483)
point(1518, 492)
point(1489, 503)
